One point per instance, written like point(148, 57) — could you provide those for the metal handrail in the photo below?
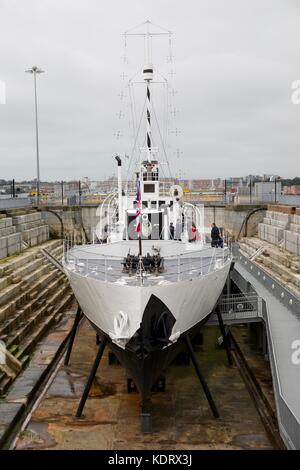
point(289, 424)
point(186, 266)
point(187, 254)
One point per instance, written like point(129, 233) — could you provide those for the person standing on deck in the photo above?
point(172, 230)
point(215, 235)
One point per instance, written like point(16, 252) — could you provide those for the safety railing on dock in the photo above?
point(249, 274)
point(237, 308)
point(289, 424)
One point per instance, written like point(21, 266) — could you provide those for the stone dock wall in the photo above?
point(80, 219)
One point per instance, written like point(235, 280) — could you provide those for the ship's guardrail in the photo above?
point(175, 268)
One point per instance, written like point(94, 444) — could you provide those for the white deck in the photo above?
point(182, 261)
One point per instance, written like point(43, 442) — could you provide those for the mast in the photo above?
point(147, 31)
point(148, 122)
point(148, 172)
point(148, 76)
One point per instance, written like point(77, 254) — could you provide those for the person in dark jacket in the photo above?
point(215, 236)
point(172, 230)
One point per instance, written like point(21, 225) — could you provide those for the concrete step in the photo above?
point(36, 274)
point(18, 262)
point(5, 383)
point(41, 322)
point(9, 292)
point(285, 273)
point(254, 242)
point(5, 281)
point(26, 293)
point(281, 256)
point(21, 316)
point(51, 246)
point(247, 249)
point(18, 336)
point(29, 343)
point(28, 268)
point(57, 252)
point(295, 267)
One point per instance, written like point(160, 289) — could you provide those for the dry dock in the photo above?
point(39, 395)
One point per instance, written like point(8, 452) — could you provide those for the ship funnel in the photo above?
point(119, 161)
point(148, 72)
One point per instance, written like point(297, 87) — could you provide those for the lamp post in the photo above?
point(35, 70)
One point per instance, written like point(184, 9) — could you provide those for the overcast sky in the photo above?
point(235, 61)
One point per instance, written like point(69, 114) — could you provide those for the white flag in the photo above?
point(2, 92)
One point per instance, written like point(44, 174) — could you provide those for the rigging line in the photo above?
point(136, 137)
point(164, 150)
point(158, 26)
point(167, 115)
point(166, 86)
point(170, 49)
point(138, 131)
point(131, 107)
point(167, 31)
point(135, 27)
point(132, 152)
point(130, 84)
point(134, 104)
point(143, 145)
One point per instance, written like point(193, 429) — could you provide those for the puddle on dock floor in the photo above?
point(181, 416)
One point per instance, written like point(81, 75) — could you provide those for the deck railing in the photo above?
point(173, 268)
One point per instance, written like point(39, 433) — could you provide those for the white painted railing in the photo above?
point(173, 268)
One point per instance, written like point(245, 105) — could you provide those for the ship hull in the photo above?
point(145, 371)
point(185, 307)
point(189, 301)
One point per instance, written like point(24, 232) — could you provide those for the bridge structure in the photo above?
point(265, 300)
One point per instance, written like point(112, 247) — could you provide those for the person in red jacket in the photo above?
point(195, 233)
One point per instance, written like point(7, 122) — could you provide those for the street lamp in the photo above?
point(34, 70)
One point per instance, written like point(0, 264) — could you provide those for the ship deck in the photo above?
point(180, 261)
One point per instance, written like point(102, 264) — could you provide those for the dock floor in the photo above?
point(181, 415)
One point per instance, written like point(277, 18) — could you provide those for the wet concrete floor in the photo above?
point(181, 415)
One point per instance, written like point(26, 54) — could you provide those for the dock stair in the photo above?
point(33, 294)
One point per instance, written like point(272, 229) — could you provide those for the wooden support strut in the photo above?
point(78, 316)
point(91, 377)
point(200, 377)
point(224, 336)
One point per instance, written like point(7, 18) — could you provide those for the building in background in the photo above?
point(267, 191)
